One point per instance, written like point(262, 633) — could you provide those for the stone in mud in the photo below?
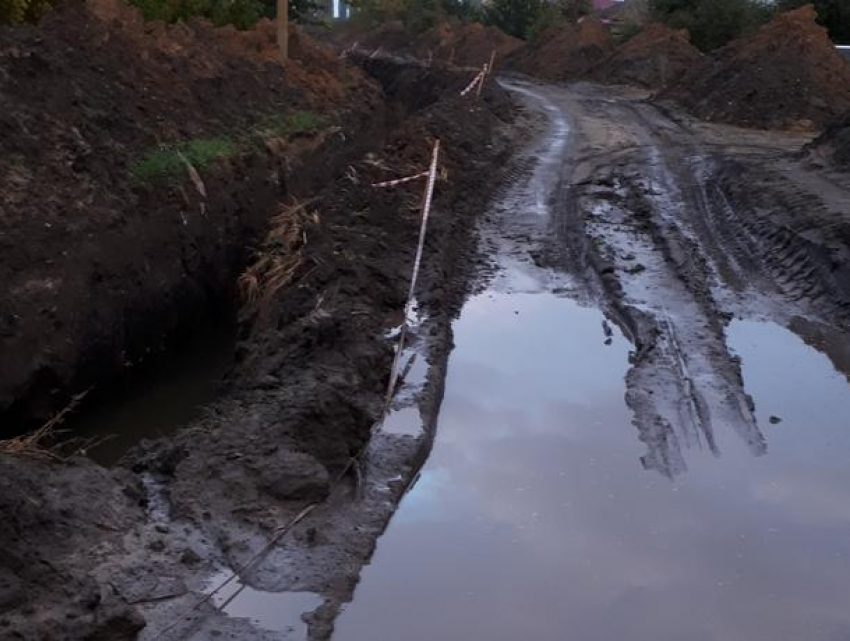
point(292, 476)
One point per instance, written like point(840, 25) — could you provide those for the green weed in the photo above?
point(165, 162)
point(290, 124)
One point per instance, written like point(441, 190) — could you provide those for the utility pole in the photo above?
point(283, 29)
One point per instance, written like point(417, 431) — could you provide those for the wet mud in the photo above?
point(617, 424)
point(642, 434)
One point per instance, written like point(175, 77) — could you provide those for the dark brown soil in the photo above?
point(564, 52)
point(654, 58)
point(350, 286)
point(834, 142)
point(451, 42)
point(102, 269)
point(787, 75)
point(80, 549)
point(465, 44)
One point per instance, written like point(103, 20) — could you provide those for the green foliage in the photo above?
point(416, 15)
point(832, 14)
point(712, 23)
point(19, 11)
point(166, 162)
point(292, 124)
point(243, 14)
point(528, 18)
point(628, 31)
point(556, 12)
point(421, 15)
point(516, 17)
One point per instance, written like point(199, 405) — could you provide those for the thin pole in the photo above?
point(420, 248)
point(283, 29)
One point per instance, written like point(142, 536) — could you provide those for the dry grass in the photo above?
point(45, 442)
point(279, 259)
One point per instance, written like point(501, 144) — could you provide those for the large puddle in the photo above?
point(534, 518)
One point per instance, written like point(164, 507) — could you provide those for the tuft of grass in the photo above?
point(290, 124)
point(167, 161)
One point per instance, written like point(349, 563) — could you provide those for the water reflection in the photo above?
point(534, 519)
point(280, 612)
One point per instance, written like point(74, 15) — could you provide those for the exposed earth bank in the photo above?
point(114, 248)
point(105, 554)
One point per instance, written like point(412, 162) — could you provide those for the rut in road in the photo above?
point(656, 218)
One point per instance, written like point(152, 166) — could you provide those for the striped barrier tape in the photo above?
point(401, 181)
point(414, 278)
point(472, 84)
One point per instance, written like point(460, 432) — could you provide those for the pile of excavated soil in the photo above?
point(465, 44)
point(655, 58)
point(834, 143)
point(101, 266)
point(564, 52)
point(787, 75)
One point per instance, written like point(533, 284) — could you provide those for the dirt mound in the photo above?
point(564, 52)
point(392, 36)
point(108, 248)
point(465, 44)
point(654, 58)
point(834, 143)
point(787, 75)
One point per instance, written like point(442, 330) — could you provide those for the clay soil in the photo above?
point(787, 75)
point(109, 251)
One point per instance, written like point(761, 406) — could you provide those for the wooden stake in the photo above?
point(482, 81)
point(283, 29)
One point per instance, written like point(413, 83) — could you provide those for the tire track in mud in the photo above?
point(643, 214)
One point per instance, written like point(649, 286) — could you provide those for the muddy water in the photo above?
point(160, 399)
point(534, 517)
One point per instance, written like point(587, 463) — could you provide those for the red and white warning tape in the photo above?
point(414, 279)
point(401, 181)
point(478, 81)
point(472, 84)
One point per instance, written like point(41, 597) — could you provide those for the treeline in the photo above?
point(711, 23)
point(520, 18)
point(241, 13)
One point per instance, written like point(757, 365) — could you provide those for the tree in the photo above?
point(18, 11)
point(558, 11)
point(516, 17)
point(711, 23)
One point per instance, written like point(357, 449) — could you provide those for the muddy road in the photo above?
point(622, 411)
point(673, 228)
point(644, 429)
